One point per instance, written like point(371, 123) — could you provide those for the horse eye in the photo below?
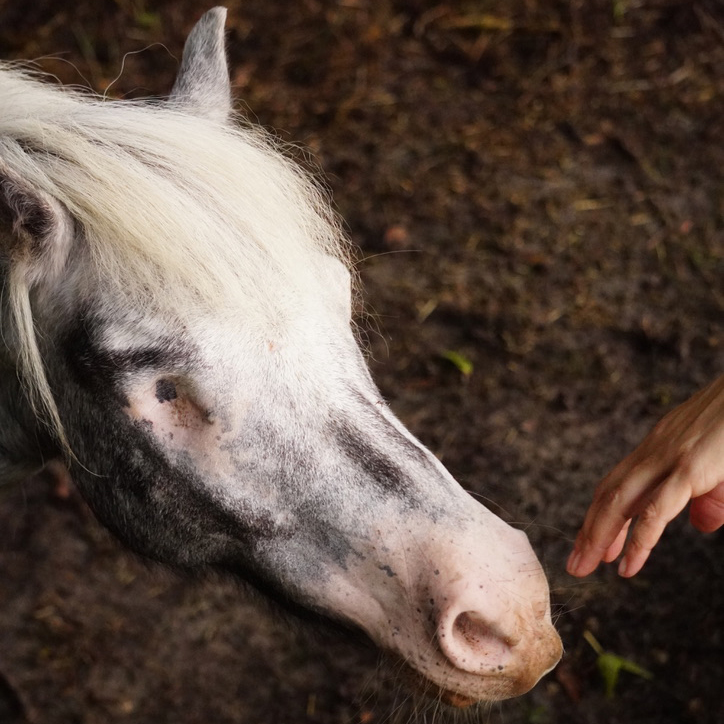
point(165, 390)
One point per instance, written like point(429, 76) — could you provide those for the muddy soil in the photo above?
point(535, 186)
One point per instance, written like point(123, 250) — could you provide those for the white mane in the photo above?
point(169, 203)
point(177, 212)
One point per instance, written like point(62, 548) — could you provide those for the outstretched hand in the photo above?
point(681, 459)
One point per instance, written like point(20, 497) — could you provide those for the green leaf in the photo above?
point(611, 665)
point(148, 20)
point(592, 642)
point(464, 365)
point(633, 668)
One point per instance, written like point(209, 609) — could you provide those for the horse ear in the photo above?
point(34, 227)
point(202, 85)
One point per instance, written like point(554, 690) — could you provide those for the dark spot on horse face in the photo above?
point(410, 450)
point(159, 507)
point(393, 461)
point(165, 390)
point(94, 367)
point(378, 465)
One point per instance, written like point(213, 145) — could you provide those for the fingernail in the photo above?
point(573, 561)
point(623, 567)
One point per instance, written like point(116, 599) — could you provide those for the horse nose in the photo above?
point(519, 647)
point(482, 629)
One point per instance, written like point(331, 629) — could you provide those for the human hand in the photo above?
point(681, 459)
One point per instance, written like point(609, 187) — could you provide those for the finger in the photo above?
point(608, 517)
point(614, 550)
point(588, 553)
point(669, 500)
point(707, 511)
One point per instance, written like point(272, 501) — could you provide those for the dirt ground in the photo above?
point(535, 186)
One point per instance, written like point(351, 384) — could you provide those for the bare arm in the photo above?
point(681, 459)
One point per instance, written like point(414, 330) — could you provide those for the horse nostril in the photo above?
point(471, 628)
point(472, 644)
point(474, 629)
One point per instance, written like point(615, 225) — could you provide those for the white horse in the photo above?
point(176, 331)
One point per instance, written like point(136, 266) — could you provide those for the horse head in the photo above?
point(176, 324)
